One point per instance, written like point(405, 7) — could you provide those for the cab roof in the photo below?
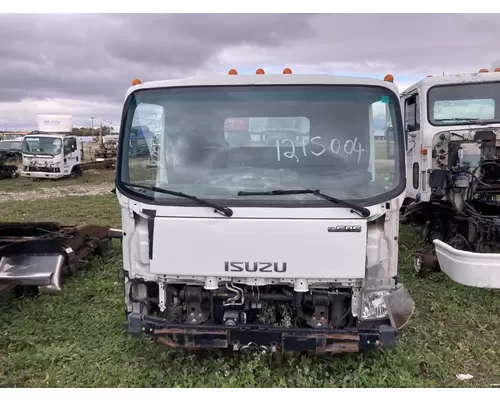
point(477, 77)
point(263, 79)
point(50, 135)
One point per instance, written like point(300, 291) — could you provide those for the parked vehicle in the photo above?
point(453, 174)
point(289, 245)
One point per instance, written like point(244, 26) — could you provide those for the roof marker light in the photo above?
point(287, 71)
point(389, 78)
point(497, 69)
point(136, 82)
point(484, 70)
point(232, 71)
point(429, 76)
point(260, 71)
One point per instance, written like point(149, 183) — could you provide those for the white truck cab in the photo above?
point(452, 132)
point(271, 217)
point(52, 152)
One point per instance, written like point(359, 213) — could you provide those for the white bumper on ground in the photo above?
point(467, 268)
point(42, 175)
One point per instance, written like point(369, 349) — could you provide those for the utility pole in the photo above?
point(92, 118)
point(100, 136)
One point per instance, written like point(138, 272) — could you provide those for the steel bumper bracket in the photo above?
point(319, 341)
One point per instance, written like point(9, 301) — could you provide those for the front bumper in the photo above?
point(41, 174)
point(271, 338)
point(480, 270)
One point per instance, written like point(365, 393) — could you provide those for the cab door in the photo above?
point(411, 104)
point(67, 152)
point(70, 151)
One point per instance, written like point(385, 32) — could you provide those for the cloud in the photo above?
point(83, 64)
point(21, 115)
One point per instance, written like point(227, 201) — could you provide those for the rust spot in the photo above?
point(4, 288)
point(335, 336)
point(341, 336)
point(189, 340)
point(192, 339)
point(336, 343)
point(168, 331)
point(340, 347)
point(166, 341)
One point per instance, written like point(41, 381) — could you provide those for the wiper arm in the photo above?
point(365, 212)
point(471, 120)
point(457, 119)
point(226, 211)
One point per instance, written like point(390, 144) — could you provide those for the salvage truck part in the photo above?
point(453, 173)
point(105, 164)
point(270, 219)
point(7, 171)
point(10, 152)
point(107, 147)
point(41, 254)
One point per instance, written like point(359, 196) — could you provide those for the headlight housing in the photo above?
point(396, 305)
point(373, 305)
point(382, 298)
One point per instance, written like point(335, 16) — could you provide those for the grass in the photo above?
point(77, 339)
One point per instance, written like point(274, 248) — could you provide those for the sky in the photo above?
point(82, 64)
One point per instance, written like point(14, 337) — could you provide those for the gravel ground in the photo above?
point(55, 192)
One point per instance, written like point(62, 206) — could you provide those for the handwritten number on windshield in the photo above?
point(349, 147)
point(287, 154)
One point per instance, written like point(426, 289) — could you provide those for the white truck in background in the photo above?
point(52, 152)
point(452, 126)
point(287, 245)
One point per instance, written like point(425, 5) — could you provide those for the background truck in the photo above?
point(12, 135)
point(10, 156)
point(283, 245)
point(453, 174)
point(52, 152)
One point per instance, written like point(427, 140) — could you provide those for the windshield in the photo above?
point(6, 145)
point(464, 103)
point(213, 142)
point(43, 146)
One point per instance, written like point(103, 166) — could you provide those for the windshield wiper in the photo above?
point(227, 212)
point(365, 212)
point(471, 120)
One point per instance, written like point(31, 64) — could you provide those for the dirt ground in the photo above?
point(55, 192)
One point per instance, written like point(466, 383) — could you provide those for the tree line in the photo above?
point(87, 131)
